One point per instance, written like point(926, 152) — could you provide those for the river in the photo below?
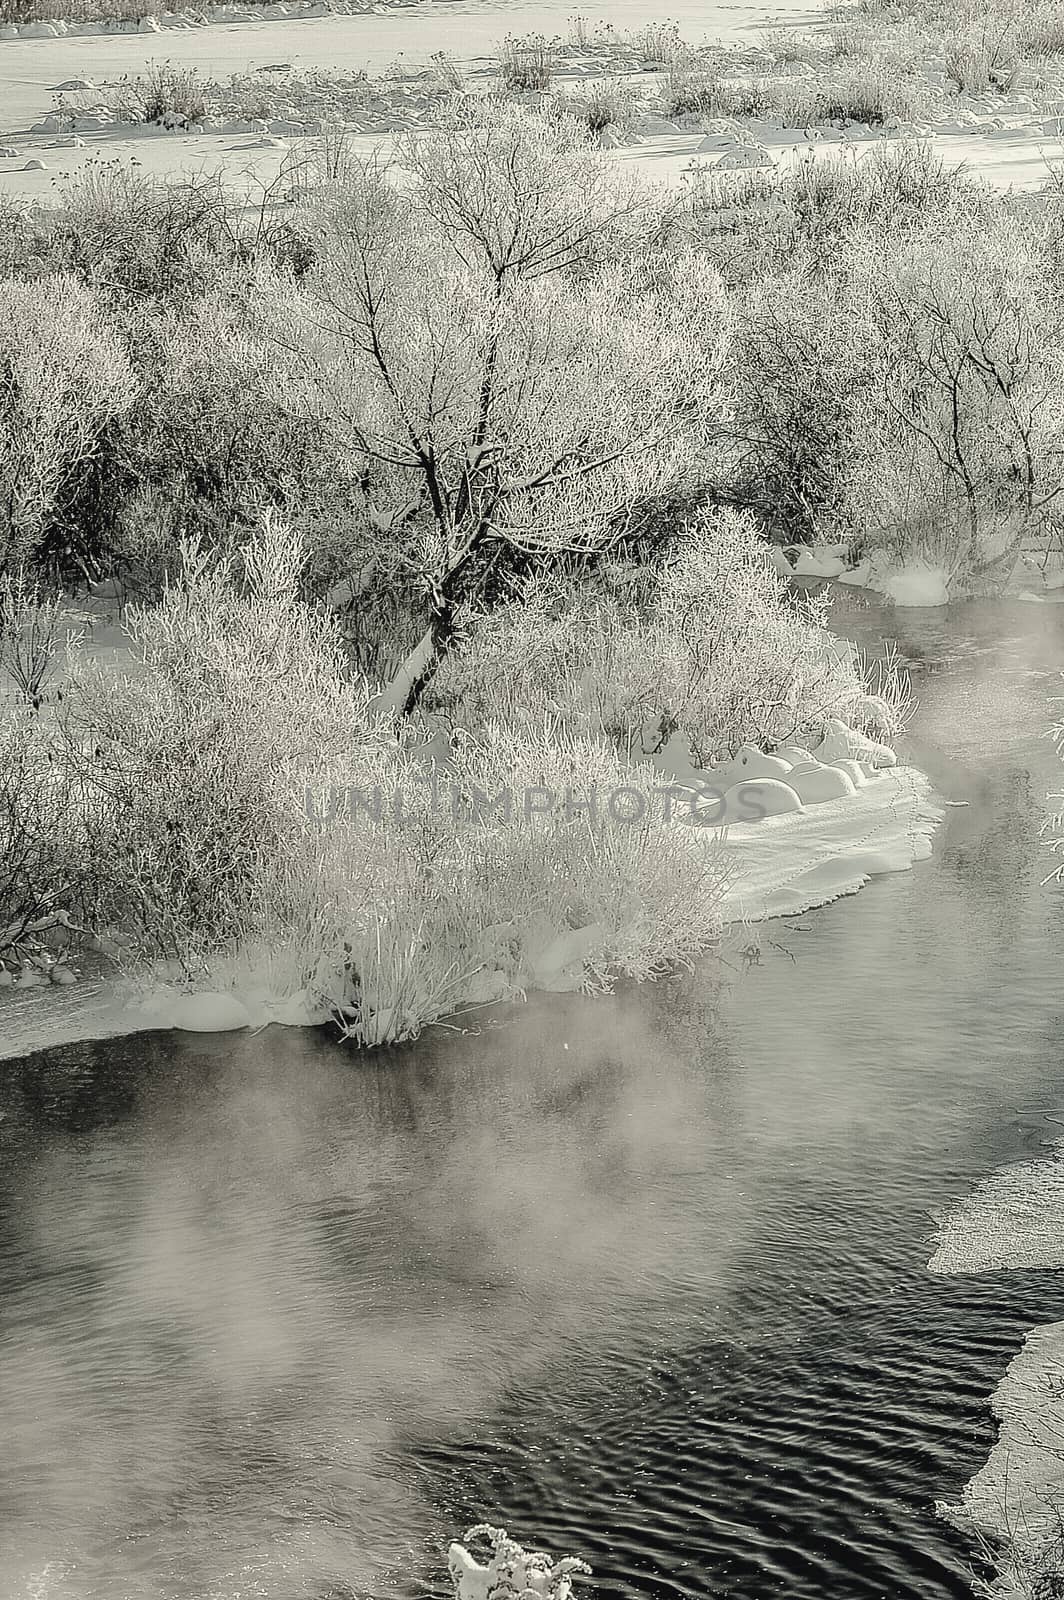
point(642, 1277)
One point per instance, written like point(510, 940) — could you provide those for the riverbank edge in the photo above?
point(778, 867)
point(1015, 1502)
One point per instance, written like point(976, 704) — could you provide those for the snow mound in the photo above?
point(919, 584)
point(783, 865)
point(223, 1011)
point(657, 125)
point(820, 563)
point(744, 158)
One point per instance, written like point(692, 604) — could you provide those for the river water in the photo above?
point(642, 1278)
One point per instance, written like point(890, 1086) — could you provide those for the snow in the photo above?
point(1014, 1498)
point(918, 584)
point(915, 583)
point(791, 863)
point(1014, 1220)
point(1038, 575)
point(510, 1570)
point(1006, 147)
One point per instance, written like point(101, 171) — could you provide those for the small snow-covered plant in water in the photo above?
point(511, 1572)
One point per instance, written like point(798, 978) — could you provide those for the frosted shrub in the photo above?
point(29, 636)
point(757, 225)
point(733, 659)
point(248, 815)
point(200, 757)
point(142, 237)
point(208, 443)
point(533, 857)
point(62, 377)
point(610, 103)
point(47, 868)
point(526, 63)
point(957, 458)
point(800, 369)
point(660, 42)
point(729, 658)
point(983, 58)
point(712, 645)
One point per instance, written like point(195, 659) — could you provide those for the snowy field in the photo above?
point(1007, 142)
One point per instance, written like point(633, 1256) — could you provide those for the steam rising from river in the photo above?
point(247, 1296)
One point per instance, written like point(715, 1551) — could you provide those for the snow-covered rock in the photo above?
point(841, 741)
point(207, 1012)
point(819, 563)
point(796, 755)
point(819, 782)
point(751, 763)
point(559, 967)
point(753, 800)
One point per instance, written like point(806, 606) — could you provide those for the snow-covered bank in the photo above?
point(793, 863)
point(172, 21)
point(1016, 1499)
point(1015, 1220)
point(1036, 575)
point(775, 866)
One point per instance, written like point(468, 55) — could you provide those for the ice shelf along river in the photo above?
point(643, 1278)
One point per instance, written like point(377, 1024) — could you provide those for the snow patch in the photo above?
point(1012, 1220)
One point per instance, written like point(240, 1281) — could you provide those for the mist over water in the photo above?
point(643, 1277)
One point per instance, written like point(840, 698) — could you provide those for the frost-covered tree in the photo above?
point(512, 365)
point(958, 443)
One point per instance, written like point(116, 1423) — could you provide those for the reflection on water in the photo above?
point(644, 1276)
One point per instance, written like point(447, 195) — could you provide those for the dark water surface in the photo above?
point(642, 1278)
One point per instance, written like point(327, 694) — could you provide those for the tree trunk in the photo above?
point(403, 694)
